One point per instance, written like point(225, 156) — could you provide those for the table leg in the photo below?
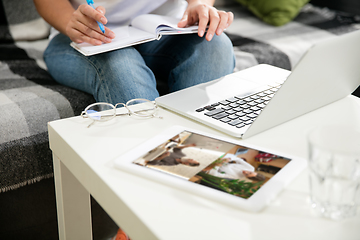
point(73, 204)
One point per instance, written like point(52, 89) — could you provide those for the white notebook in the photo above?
point(143, 28)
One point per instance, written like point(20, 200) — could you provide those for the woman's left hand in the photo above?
point(203, 13)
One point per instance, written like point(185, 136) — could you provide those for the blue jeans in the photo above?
point(118, 76)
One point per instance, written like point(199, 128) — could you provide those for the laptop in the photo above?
point(253, 100)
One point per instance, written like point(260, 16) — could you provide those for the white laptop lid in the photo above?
point(328, 72)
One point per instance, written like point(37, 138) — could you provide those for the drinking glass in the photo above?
point(334, 162)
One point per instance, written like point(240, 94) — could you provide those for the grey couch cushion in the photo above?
point(29, 97)
point(23, 22)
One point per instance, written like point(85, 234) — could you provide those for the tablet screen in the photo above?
point(217, 164)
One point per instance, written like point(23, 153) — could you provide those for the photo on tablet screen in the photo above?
point(214, 163)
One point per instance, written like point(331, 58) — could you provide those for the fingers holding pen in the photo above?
point(83, 33)
point(92, 14)
point(91, 21)
point(83, 26)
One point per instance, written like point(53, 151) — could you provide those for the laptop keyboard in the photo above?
point(241, 110)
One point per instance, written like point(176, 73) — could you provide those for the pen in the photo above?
point(101, 26)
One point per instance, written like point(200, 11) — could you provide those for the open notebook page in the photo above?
point(160, 24)
point(125, 36)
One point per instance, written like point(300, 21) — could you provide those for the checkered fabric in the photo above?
point(256, 42)
point(20, 21)
point(29, 97)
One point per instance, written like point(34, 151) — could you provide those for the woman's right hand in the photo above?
point(83, 27)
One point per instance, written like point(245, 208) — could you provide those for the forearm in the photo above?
point(56, 12)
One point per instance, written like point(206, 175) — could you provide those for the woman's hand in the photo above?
point(203, 13)
point(83, 27)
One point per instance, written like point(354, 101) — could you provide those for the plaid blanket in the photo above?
point(256, 42)
point(29, 97)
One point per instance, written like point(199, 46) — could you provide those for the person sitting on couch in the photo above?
point(120, 75)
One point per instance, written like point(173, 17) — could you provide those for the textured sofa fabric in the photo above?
point(29, 98)
point(22, 21)
point(345, 6)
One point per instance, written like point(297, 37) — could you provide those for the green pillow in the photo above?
point(274, 12)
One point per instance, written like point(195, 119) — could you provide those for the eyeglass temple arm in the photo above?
point(84, 115)
point(128, 113)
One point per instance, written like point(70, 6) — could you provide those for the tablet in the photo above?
point(216, 168)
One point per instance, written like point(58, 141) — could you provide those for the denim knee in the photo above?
point(206, 61)
point(220, 56)
point(113, 77)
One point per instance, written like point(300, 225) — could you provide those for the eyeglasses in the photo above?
point(102, 111)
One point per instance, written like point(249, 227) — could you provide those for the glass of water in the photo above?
point(334, 162)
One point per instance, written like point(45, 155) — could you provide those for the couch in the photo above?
point(29, 98)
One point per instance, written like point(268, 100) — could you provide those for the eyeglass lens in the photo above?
point(141, 107)
point(101, 111)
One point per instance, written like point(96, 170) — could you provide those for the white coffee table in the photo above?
point(83, 165)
